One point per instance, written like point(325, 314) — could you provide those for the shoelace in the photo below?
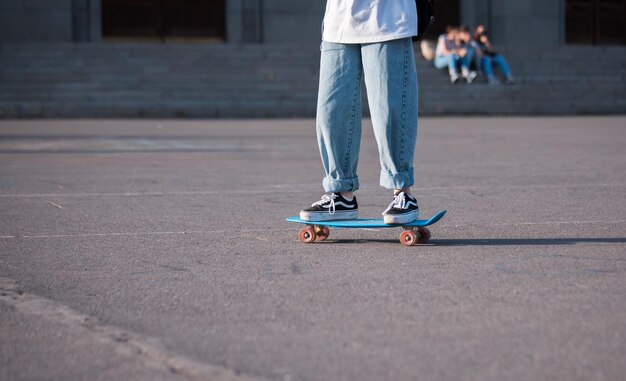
point(327, 199)
point(399, 201)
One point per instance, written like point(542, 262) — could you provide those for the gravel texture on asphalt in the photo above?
point(158, 249)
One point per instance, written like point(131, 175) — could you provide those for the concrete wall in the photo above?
point(274, 21)
point(527, 23)
point(518, 23)
point(511, 22)
point(81, 20)
point(291, 21)
point(244, 22)
point(35, 21)
point(474, 12)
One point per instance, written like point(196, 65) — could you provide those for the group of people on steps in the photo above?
point(465, 54)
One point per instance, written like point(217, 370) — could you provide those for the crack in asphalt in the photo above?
point(143, 349)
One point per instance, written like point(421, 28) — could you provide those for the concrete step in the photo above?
point(255, 80)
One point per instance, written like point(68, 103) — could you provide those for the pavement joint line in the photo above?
point(442, 226)
point(294, 189)
point(128, 194)
point(117, 234)
point(146, 350)
point(541, 223)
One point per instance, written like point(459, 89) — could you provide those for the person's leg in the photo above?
point(338, 131)
point(391, 81)
point(487, 68)
point(479, 62)
point(339, 115)
point(471, 53)
point(449, 62)
point(473, 62)
point(471, 65)
point(441, 62)
point(466, 63)
point(500, 61)
point(453, 65)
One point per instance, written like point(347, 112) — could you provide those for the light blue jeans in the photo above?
point(391, 81)
point(454, 61)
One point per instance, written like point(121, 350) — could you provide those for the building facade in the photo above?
point(524, 23)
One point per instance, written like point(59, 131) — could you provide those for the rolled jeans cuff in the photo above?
point(343, 185)
point(400, 180)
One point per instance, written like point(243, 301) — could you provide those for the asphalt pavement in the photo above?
point(159, 250)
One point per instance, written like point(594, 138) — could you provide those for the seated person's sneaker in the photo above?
point(402, 210)
point(454, 78)
point(471, 76)
point(332, 206)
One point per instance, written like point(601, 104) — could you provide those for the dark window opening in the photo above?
point(446, 13)
point(164, 19)
point(601, 22)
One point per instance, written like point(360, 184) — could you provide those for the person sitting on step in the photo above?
point(449, 55)
point(467, 52)
point(489, 57)
point(446, 54)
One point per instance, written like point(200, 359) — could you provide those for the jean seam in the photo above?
point(403, 110)
point(351, 131)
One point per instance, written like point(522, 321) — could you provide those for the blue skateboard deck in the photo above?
point(319, 230)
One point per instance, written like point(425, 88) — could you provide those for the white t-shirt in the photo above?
point(365, 21)
point(443, 41)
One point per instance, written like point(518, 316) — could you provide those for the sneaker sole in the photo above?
point(325, 216)
point(401, 218)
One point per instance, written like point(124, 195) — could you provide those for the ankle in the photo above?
point(406, 191)
point(347, 195)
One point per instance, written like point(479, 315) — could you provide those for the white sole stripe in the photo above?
point(340, 203)
point(325, 216)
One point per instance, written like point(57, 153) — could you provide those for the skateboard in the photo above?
point(412, 233)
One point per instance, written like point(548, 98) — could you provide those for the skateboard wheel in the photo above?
point(408, 238)
point(423, 234)
point(307, 235)
point(322, 232)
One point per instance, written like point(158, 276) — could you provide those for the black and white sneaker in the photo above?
point(332, 206)
point(402, 210)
